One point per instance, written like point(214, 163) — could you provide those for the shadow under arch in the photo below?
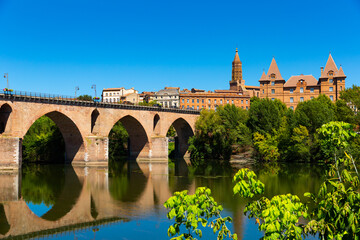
point(95, 121)
point(74, 143)
point(55, 184)
point(4, 224)
point(138, 142)
point(127, 182)
point(184, 132)
point(156, 127)
point(5, 112)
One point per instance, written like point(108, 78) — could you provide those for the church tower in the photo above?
point(237, 83)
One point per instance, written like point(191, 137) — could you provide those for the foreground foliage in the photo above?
point(189, 211)
point(335, 208)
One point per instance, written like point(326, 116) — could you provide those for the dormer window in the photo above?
point(272, 76)
point(301, 81)
point(272, 83)
point(331, 73)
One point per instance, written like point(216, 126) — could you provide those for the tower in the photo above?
point(237, 83)
point(332, 80)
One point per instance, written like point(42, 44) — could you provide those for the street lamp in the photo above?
point(76, 89)
point(94, 87)
point(6, 75)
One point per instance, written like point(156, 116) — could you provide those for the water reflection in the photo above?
point(129, 196)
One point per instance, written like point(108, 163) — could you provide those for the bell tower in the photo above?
point(237, 82)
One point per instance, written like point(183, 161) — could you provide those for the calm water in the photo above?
point(125, 201)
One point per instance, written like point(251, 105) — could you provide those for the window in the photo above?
point(301, 90)
point(263, 84)
point(291, 90)
point(272, 91)
point(187, 100)
point(192, 100)
point(215, 101)
point(340, 88)
point(247, 107)
point(331, 89)
point(273, 99)
point(198, 101)
point(106, 94)
point(246, 101)
point(209, 108)
point(331, 98)
point(291, 99)
point(272, 83)
point(263, 91)
point(292, 107)
point(209, 101)
point(301, 99)
point(311, 97)
point(110, 94)
point(227, 101)
point(330, 73)
point(202, 101)
point(311, 90)
point(340, 80)
point(272, 76)
point(232, 101)
point(175, 104)
point(331, 80)
point(183, 101)
point(197, 107)
point(220, 101)
point(242, 101)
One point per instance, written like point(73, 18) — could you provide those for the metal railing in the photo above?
point(56, 98)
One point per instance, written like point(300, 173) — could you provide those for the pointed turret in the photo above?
point(330, 66)
point(263, 76)
point(340, 73)
point(236, 58)
point(273, 69)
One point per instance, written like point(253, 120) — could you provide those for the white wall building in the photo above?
point(115, 95)
point(168, 97)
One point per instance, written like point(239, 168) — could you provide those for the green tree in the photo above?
point(351, 96)
point(85, 97)
point(211, 141)
point(265, 115)
point(43, 142)
point(344, 113)
point(314, 113)
point(118, 141)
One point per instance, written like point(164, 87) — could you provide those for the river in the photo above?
point(125, 200)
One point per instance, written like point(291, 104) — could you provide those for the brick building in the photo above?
point(302, 87)
point(238, 94)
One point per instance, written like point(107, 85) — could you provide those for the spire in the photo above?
point(340, 72)
point(273, 69)
point(263, 76)
point(330, 66)
point(237, 58)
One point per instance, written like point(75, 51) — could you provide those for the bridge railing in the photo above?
point(36, 95)
point(72, 99)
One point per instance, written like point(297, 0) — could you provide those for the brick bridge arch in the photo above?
point(85, 127)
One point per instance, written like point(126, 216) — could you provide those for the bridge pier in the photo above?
point(11, 153)
point(97, 152)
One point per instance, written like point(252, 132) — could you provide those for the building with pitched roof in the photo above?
point(302, 87)
point(239, 94)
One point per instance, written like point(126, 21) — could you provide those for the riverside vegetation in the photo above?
point(335, 209)
point(318, 130)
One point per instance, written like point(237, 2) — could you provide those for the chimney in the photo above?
point(322, 69)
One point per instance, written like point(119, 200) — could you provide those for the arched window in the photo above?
point(272, 76)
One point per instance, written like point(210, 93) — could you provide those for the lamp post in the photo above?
point(94, 87)
point(76, 89)
point(6, 75)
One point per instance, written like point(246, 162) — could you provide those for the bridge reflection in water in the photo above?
point(80, 197)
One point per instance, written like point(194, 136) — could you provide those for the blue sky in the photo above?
point(53, 46)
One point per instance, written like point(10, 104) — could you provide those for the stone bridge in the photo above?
point(85, 127)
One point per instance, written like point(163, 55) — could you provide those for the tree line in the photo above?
point(272, 131)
